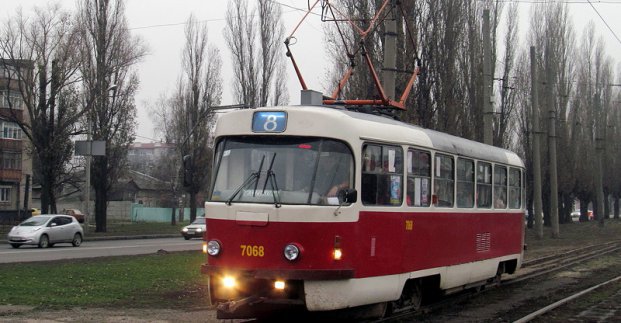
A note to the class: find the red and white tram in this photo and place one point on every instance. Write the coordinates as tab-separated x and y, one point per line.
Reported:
327	208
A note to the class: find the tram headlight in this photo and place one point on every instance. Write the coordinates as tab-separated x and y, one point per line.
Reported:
229	282
292	252
213	248
279	285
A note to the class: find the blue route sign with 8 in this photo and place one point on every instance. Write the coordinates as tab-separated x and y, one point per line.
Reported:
269	121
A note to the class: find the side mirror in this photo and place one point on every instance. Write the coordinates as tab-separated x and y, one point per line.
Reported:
347	196
187	170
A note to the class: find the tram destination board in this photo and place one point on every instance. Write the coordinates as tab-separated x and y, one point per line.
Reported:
269	121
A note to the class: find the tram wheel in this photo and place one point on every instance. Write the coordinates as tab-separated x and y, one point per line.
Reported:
411	298
416	296
498	278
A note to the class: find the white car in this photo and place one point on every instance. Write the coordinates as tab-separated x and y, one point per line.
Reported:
195	230
46	230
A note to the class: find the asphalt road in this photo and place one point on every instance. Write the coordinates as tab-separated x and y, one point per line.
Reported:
92	249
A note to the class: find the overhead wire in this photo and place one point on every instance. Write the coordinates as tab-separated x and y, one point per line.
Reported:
293	9
604	21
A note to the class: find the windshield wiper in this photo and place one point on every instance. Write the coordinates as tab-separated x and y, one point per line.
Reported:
271	176
253	176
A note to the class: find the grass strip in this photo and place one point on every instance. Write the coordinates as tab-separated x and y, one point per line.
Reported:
162	281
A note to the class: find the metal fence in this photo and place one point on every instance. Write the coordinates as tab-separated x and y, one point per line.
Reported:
140	213
12	217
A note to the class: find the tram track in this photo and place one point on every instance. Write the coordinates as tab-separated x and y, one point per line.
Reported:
545	265
564	301
530	271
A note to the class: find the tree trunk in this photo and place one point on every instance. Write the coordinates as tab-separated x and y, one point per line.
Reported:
584	210
101	209
192	206
606	205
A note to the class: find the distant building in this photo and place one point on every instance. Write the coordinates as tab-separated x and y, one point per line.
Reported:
143	157
142	189
15	162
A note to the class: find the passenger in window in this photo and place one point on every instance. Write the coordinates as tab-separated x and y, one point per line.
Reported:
336	188
338	174
500	202
465	198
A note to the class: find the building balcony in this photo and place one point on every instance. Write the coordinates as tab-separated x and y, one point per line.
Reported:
11	144
10	175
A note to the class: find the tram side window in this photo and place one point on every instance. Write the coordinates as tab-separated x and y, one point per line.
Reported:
465	183
419	178
444	180
500	187
382	175
484	185
515	186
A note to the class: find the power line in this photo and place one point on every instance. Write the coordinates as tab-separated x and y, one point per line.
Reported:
143	137
605	23
220	19
173	24
292	7
547	1
215	19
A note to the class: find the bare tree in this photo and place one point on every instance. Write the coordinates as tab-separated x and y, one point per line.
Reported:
506	117
552	35
258	64
189	112
108	52
40	52
583	122
448	92
614	171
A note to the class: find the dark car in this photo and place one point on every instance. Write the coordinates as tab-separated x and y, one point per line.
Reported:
77	214
195	229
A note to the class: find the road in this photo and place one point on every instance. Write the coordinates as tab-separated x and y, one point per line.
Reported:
92	249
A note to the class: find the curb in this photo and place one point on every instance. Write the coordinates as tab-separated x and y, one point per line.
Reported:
132	237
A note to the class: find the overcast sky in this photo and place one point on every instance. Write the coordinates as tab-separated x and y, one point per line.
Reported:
160	23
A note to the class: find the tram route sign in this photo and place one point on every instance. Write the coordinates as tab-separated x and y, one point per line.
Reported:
269	121
90	147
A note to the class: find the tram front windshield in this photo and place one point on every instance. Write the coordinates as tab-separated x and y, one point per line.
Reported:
281	170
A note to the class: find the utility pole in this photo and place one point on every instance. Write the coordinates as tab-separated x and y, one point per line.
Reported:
390	55
536	145
599	155
488	113
87	173
552	144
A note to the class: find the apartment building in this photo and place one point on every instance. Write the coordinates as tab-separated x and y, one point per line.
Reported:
15	161
143	157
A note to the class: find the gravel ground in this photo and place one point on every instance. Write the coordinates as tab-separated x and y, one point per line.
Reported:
509	303
16	314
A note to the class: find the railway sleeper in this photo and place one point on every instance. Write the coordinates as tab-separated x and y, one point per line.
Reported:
258	307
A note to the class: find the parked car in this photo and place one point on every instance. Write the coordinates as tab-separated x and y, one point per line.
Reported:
75	213
195	229
575	215
46	230
35	211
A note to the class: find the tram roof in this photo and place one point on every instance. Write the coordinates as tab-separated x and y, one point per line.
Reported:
366	126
